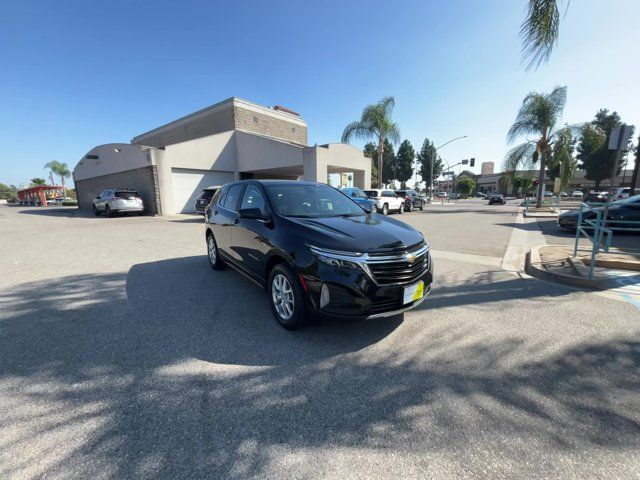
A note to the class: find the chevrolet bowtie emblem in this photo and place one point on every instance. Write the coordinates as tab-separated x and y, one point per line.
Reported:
409	257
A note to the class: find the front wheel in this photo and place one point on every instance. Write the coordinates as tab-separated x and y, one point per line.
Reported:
385	209
286	298
107	211
422	206
95	211
410	209
401	209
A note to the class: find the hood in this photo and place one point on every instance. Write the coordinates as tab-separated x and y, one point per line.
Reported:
364	233
590	213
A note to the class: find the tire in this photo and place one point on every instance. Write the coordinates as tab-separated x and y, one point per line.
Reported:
385	209
401	209
107	211
286	298
95	211
410	209
374	209
213	255
422	206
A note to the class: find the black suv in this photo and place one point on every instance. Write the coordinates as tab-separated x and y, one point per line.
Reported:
205	197
411	199
314	249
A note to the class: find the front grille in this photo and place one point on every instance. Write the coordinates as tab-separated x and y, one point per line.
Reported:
399	266
386	306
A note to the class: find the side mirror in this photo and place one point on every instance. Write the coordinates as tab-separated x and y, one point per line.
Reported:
367	208
252	214
97	197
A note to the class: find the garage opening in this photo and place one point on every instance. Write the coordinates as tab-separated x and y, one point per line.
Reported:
188	183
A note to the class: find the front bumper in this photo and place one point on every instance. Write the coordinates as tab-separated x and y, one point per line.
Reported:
353	294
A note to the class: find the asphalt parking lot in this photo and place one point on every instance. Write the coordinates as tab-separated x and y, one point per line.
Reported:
123	355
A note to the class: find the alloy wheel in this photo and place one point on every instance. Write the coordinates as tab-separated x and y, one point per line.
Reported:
282	296
211	246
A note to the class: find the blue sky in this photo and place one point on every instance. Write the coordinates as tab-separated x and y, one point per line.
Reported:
76	74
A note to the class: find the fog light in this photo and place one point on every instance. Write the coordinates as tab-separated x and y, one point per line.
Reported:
324	296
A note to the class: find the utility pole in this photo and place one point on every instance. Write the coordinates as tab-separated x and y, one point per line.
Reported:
435	153
634	177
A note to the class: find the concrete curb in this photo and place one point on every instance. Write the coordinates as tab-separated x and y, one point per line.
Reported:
533	266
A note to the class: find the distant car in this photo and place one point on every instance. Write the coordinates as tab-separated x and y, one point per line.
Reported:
442	195
577	194
621	193
59	200
620	210
496	198
361	198
205	198
564	194
479	195
118	200
386	200
596	197
548	193
411	199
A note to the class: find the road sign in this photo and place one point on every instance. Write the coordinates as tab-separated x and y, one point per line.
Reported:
447	174
619	138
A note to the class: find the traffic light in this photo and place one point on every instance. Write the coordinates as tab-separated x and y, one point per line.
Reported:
472	162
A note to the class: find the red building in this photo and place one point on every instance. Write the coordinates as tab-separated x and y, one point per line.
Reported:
38	194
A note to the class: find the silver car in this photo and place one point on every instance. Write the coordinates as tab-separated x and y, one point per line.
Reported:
118	200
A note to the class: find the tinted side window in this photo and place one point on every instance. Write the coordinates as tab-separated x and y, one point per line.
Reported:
388	193
231	199
253	198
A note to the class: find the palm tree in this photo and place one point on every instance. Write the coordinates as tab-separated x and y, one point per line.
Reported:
375	123
540	30
540	116
62	170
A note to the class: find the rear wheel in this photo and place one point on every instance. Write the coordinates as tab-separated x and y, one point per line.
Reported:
422	206
385	209
213	254
286	298
410	209
401	209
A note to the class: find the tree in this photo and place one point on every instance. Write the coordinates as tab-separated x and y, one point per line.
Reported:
540	30
38	181
370	150
539	115
388	164
523	184
60	169
375	122
466	185
404	162
562	164
428	154
593	150
7	192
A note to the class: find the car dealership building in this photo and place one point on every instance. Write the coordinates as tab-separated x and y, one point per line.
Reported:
233	139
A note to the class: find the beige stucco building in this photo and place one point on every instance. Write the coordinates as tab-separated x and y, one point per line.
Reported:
233	139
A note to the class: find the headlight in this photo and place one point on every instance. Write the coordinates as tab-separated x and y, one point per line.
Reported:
336	258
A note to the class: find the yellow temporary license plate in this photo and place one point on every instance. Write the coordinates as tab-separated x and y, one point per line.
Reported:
413	293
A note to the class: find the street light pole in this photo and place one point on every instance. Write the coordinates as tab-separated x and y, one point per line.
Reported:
433	161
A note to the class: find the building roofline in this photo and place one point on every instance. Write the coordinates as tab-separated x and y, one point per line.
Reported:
229	102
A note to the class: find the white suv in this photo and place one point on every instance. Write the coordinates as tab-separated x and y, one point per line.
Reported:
386	200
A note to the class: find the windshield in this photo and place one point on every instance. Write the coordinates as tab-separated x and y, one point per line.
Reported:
208	194
311	201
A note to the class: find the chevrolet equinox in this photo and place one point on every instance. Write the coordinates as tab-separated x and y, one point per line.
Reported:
315	250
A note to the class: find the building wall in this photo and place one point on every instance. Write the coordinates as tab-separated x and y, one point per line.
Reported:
260	153
266	123
200	124
143	179
112	157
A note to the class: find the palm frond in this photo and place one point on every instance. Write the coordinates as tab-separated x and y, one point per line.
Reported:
357	130
539	31
520	157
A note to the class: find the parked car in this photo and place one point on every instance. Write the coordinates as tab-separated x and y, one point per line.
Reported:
620	210
577	194
411	199
361	198
386	200
596	197
442	195
621	193
205	197
60	200
496	198
118	200
479	195
315	250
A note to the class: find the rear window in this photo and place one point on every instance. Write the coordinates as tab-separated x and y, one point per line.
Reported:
127	195
208	194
